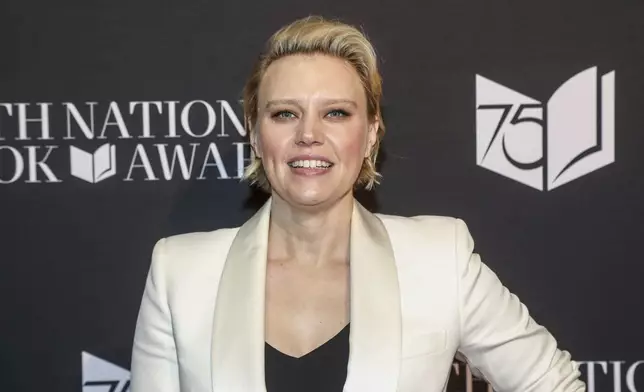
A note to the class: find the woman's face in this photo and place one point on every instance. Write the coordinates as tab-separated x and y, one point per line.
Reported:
313	129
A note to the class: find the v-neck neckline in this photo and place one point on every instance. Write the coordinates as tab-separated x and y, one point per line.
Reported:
341	334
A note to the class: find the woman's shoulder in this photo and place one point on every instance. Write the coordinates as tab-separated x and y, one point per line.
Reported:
180	254
427	231
198	240
423	224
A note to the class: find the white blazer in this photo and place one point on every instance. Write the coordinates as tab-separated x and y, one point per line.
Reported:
418	295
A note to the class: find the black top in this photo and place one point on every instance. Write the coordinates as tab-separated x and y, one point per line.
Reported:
322	370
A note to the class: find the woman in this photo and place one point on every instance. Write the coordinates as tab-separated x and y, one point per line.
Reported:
314	293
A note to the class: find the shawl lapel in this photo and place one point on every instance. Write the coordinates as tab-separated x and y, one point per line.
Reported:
376	333
238	341
238	327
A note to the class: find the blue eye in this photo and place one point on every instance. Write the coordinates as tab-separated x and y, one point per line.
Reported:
283	114
337	113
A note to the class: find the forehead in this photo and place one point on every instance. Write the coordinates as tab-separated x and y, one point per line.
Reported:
307	77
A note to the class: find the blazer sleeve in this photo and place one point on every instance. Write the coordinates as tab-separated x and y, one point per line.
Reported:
499	337
154	357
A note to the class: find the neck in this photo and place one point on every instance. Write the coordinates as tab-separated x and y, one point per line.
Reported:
310	236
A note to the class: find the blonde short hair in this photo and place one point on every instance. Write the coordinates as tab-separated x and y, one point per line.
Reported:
316	35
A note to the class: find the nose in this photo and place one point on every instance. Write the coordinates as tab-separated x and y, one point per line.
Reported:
309	132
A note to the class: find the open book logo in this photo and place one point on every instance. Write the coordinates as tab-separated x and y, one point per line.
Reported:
546	146
93	167
102	376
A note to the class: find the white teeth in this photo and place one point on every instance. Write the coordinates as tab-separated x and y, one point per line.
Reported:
311	163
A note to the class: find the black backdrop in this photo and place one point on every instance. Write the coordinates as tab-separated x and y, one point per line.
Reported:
75	252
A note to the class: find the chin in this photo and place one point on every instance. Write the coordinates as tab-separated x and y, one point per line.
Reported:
311	194
311	198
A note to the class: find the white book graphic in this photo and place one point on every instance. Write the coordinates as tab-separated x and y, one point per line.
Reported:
93	167
100	375
547	145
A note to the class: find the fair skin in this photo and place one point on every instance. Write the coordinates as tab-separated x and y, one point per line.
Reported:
313	135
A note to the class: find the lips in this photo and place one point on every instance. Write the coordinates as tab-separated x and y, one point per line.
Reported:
310	162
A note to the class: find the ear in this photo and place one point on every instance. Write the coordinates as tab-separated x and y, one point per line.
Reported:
372	136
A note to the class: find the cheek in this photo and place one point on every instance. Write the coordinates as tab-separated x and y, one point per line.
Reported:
272	144
353	149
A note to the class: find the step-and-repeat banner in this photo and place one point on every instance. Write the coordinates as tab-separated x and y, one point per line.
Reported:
121	124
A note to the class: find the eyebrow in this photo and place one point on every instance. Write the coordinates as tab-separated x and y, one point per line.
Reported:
297	103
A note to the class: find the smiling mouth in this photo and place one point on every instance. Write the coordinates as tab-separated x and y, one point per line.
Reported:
310	164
